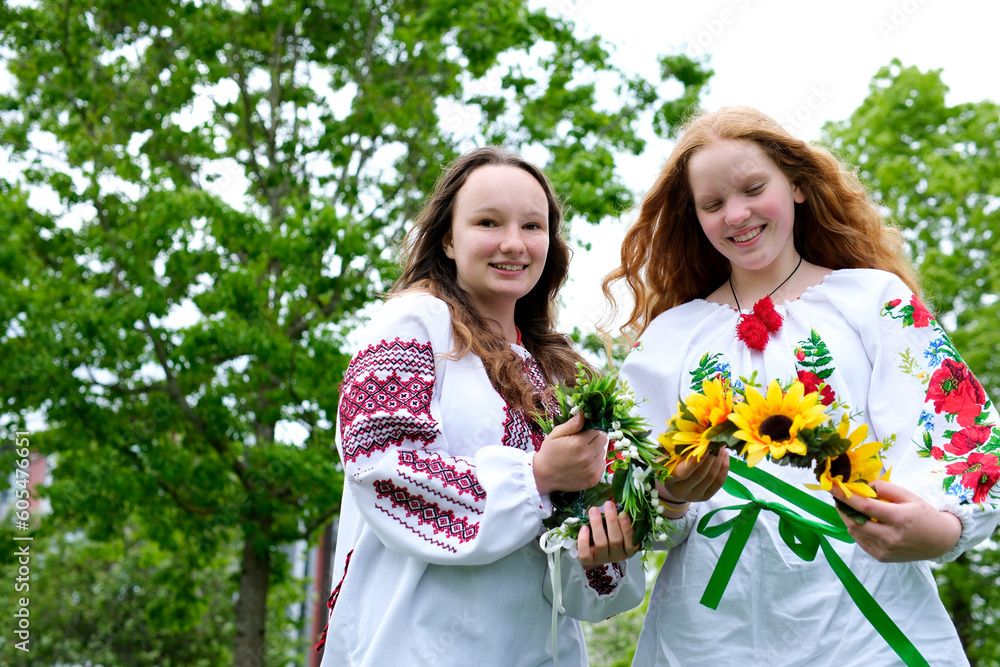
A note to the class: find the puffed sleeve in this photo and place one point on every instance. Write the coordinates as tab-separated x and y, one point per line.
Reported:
415	493
597	593
946	444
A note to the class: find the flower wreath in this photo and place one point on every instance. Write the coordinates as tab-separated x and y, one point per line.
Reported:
786	424
633	460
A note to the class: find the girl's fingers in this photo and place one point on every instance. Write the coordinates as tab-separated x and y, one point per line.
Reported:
584	547
599	537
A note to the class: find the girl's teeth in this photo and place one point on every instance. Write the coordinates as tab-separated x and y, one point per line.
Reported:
748	236
509	267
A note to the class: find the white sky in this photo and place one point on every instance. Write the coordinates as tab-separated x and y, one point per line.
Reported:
804	63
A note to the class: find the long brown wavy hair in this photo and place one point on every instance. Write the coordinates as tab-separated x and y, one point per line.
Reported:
667	260
426	268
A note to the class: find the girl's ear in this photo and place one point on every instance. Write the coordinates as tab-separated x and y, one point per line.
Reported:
449	247
798	196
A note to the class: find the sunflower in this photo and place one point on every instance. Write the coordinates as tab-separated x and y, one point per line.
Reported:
673	454
771	424
692	429
854	470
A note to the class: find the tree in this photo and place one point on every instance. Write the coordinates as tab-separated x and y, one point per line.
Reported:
936	170
969	591
202	199
127	601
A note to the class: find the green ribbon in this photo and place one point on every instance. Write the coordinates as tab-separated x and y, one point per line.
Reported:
805	537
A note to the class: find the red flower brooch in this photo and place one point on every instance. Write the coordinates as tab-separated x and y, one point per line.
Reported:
755	328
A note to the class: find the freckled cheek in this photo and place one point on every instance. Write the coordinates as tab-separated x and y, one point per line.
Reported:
540	250
710	226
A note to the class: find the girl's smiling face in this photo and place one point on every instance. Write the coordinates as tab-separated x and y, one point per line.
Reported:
745	205
499	236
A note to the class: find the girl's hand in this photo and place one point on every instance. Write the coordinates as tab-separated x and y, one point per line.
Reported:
570	459
695	481
905	527
611	546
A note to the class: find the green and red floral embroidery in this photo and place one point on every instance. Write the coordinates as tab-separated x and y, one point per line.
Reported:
814	365
972	447
979	473
710	366
913	314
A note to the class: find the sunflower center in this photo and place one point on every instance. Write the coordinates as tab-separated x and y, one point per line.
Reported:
777	427
841	467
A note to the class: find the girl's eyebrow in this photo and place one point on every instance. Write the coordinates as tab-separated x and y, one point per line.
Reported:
488	209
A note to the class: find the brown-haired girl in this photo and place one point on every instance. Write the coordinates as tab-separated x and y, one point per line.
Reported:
447	477
757	255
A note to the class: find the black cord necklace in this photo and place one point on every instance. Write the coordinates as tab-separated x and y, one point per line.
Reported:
772	291
755	328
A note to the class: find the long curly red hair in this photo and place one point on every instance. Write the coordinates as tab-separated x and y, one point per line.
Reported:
667	260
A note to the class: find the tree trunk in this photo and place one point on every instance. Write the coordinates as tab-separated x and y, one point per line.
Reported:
251	608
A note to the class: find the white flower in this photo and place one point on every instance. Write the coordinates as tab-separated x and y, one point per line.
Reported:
616	425
615	435
639	479
634	412
633	451
575	410
569	521
571	399
659	508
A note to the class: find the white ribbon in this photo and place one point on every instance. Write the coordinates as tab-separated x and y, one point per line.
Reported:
551	543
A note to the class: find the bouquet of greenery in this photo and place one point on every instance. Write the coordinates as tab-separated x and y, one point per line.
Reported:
634	460
786	425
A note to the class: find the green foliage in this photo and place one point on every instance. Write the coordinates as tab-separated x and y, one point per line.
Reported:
608	405
123	601
969	591
602	349
203	198
612	643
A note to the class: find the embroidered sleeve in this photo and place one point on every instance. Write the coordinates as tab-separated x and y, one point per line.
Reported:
947	440
596	593
604	578
418	496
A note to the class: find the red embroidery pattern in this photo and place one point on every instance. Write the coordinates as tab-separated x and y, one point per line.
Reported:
427	513
333	600
518	431
415	483
534	374
600	580
955	390
434	467
386	398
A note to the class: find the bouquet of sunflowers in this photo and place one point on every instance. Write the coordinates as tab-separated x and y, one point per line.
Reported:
785	424
634	460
